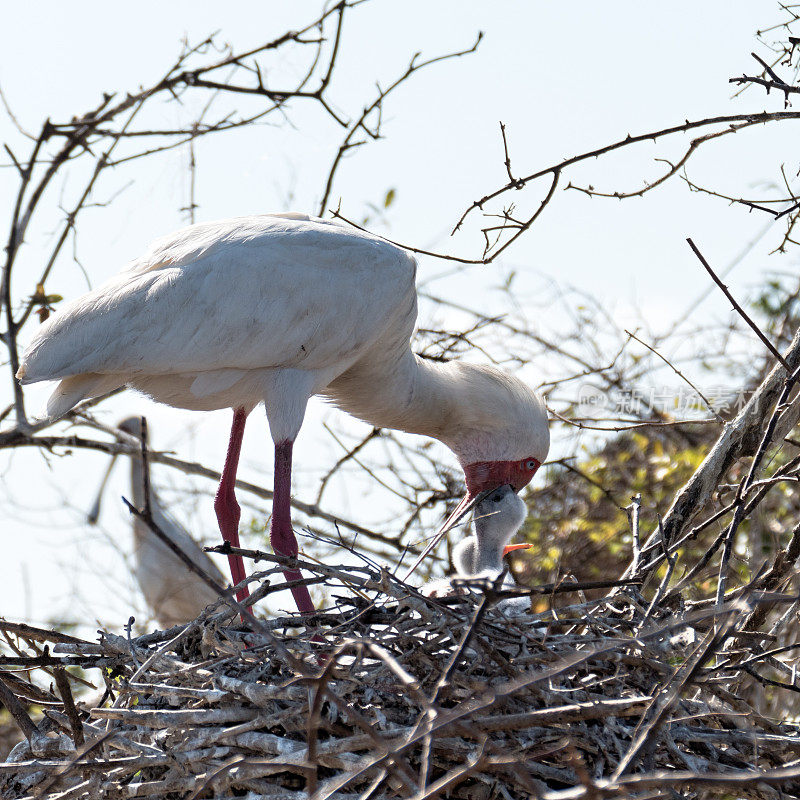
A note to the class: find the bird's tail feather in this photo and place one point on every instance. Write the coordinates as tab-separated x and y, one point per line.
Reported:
72	390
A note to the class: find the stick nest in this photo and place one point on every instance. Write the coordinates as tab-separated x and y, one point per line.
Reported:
394	695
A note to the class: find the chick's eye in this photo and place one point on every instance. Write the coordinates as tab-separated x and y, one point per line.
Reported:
496	498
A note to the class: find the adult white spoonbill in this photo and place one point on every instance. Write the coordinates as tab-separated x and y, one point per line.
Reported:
498	515
171	590
275	308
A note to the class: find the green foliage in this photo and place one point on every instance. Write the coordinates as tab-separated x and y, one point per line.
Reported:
375	212
774	300
578	523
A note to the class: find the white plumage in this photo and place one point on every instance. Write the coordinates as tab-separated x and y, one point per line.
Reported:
225	314
276	308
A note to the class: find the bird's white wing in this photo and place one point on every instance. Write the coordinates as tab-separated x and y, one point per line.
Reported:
174	593
247	293
178	534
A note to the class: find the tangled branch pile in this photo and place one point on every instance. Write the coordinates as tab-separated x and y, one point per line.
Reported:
397	695
648	686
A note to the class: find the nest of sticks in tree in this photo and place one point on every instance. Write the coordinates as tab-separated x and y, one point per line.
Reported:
390	694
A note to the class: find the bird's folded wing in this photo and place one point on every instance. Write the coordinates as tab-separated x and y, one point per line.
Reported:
303	300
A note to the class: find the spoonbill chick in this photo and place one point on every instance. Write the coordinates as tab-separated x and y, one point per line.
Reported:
498	515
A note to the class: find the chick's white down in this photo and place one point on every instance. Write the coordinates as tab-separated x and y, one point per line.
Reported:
496	519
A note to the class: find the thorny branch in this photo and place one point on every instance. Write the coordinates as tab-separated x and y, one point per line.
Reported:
361	125
731	124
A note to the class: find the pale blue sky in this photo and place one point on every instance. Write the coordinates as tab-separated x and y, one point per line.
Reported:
564	78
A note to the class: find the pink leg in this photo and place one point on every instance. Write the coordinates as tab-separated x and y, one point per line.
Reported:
228	511
281	535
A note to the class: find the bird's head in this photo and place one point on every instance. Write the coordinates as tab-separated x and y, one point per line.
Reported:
502	437
499	514
498	428
131	425
482	476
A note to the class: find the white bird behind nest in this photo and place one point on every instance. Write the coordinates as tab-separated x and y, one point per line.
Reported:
173	592
496	518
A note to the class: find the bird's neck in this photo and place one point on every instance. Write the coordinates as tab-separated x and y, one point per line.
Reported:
141	533
489	550
409	393
145	542
141	530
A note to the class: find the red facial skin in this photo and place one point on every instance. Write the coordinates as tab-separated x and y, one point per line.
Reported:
482	475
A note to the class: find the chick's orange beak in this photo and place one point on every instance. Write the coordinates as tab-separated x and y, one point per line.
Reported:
510	548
